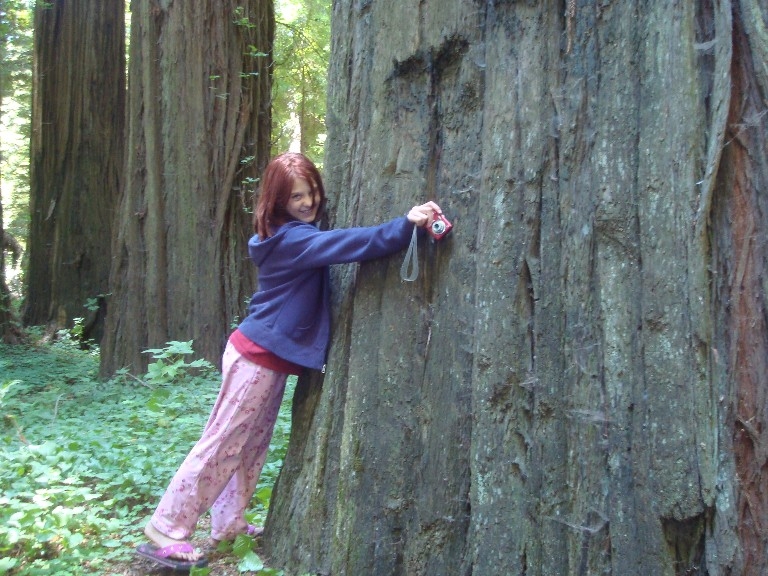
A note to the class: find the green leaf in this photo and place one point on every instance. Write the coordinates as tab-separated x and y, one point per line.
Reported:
250	563
75	540
45	536
7	563
111	543
242	546
175	347
264	494
45	449
13	535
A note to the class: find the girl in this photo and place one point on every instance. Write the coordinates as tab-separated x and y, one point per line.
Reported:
286	330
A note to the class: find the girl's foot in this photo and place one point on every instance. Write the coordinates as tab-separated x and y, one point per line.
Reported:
252	531
162	541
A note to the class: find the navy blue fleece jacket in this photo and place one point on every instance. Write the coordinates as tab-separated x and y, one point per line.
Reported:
289	314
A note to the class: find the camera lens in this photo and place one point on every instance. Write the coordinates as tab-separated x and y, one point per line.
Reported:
438	227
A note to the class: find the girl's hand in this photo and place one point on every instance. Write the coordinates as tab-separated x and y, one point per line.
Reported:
424	214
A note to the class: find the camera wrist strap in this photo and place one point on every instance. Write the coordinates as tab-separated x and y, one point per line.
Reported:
411	260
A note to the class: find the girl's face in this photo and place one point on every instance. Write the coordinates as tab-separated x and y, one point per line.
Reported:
303	203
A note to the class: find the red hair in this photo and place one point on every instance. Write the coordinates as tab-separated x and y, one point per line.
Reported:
276	185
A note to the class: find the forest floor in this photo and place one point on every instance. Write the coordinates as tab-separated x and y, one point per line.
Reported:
85	461
219	563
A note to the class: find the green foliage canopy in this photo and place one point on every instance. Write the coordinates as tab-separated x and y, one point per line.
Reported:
302	49
15	114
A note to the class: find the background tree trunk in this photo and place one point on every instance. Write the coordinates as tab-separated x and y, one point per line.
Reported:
77	151
198	134
576	384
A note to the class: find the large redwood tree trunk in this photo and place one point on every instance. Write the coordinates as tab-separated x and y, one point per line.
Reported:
78	111
577	382
198	135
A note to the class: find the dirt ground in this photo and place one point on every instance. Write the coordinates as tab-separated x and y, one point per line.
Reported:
220	563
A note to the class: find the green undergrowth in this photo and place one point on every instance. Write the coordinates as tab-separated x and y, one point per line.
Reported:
83	462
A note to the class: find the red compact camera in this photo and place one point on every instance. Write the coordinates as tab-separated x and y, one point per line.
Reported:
439	227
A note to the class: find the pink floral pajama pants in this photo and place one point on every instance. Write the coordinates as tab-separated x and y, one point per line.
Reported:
223	468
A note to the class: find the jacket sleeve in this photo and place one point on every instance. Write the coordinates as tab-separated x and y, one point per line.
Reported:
304	246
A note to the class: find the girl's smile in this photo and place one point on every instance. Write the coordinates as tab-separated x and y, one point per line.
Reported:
304	202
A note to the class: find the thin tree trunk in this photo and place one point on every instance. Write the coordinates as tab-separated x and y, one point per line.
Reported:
9	324
77	141
198	134
576	383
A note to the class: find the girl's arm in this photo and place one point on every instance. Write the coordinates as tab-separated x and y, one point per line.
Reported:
304	246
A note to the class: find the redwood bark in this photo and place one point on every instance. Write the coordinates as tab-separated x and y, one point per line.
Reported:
740	250
576	383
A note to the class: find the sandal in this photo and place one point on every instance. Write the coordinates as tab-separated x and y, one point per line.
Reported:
164	555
